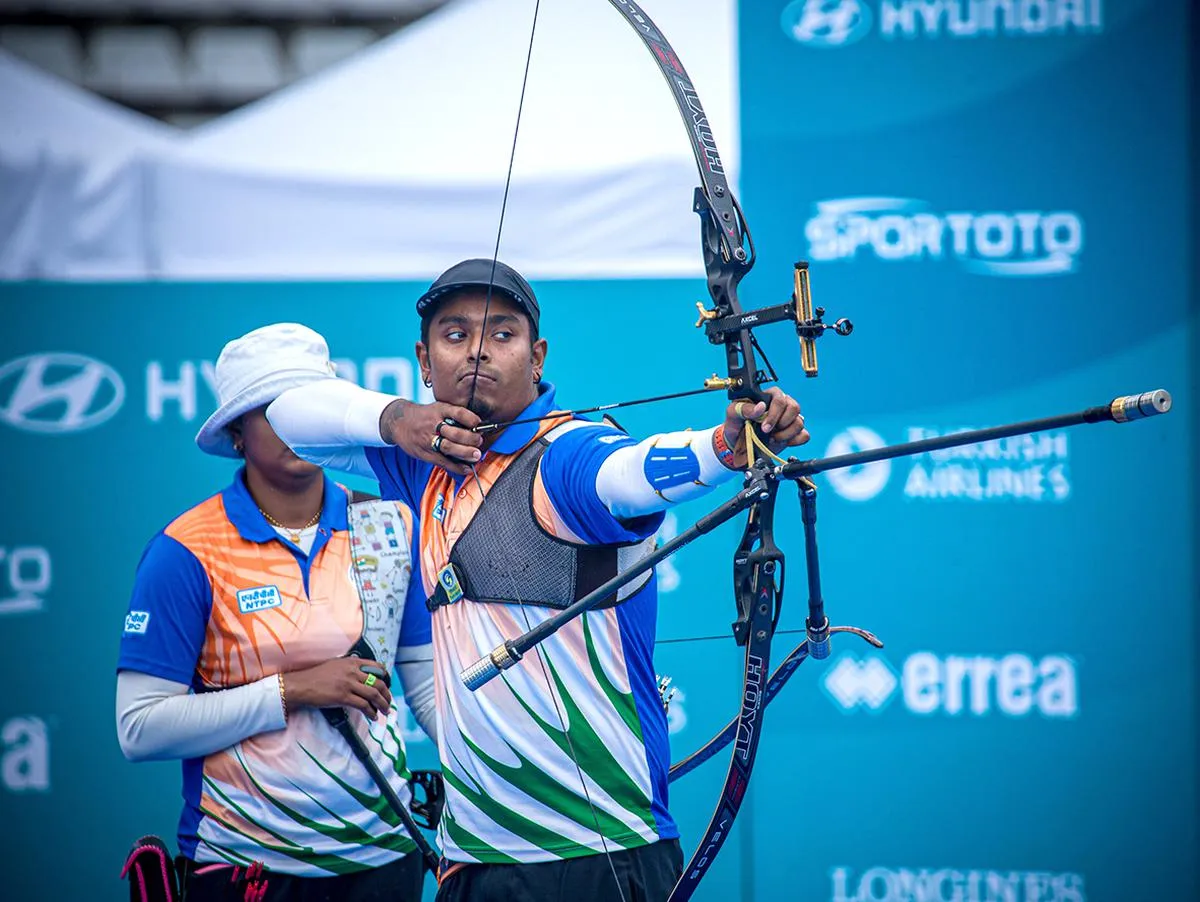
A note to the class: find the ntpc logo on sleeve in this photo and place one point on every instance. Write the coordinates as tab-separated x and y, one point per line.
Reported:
258	598
136	623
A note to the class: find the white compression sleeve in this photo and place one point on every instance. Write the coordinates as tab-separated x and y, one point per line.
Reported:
329	422
660	471
414	663
160	719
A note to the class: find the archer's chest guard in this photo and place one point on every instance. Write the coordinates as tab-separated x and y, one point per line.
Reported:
504	556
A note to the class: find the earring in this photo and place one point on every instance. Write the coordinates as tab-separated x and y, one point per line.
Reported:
428	382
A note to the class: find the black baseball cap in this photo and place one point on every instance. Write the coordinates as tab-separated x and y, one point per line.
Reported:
479	273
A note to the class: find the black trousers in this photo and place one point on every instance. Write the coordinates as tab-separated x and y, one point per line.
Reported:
645	874
400	881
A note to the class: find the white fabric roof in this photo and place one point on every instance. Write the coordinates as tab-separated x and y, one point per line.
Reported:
71	181
437	102
391	164
44	115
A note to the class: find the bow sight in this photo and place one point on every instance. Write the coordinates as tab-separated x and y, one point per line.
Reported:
810	324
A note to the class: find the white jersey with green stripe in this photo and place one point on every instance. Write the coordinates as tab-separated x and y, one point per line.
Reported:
569	763
565	754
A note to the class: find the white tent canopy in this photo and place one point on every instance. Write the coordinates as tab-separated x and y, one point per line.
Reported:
437	103
72	179
44	116
393	164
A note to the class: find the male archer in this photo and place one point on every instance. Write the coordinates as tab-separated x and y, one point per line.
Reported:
556	775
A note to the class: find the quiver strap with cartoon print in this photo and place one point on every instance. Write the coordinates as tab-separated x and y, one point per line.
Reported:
380	550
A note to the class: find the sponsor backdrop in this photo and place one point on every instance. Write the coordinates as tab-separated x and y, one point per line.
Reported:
996	192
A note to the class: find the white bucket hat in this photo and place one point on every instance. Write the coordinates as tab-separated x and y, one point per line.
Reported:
255	370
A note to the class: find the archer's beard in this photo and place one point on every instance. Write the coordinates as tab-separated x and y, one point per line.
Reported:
481	409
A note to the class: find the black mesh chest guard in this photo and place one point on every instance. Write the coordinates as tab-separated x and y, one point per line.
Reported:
505	557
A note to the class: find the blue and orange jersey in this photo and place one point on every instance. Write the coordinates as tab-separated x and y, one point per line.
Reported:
514	782
221	600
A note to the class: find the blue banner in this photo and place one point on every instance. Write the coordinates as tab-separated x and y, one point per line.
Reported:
996	193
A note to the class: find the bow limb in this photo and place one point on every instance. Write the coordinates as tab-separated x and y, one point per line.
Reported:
724	235
723	211
758	586
778	680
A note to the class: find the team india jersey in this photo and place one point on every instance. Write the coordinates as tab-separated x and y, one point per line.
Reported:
220	600
570	744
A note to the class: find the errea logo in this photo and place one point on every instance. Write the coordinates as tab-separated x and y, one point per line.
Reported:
24	755
258	598
851	682
1016	685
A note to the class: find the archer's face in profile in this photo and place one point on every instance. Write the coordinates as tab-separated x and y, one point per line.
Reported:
504	370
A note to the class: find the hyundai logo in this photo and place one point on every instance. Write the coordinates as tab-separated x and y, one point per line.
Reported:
826	23
58	393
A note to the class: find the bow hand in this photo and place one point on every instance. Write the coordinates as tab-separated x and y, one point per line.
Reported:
778	420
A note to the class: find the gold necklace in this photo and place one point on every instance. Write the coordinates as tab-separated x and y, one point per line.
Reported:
293	534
